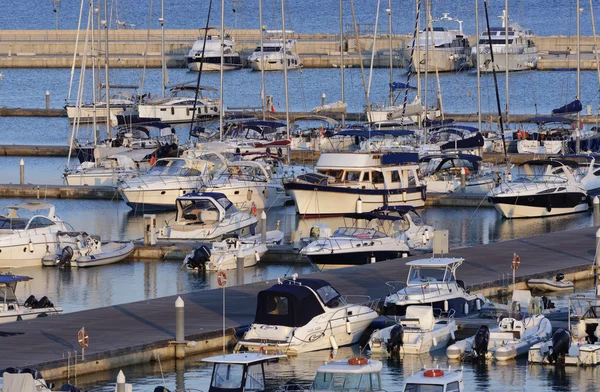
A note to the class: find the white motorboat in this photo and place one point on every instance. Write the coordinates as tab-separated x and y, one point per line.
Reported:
111	170
29	380
363	245
357	374
208	54
206	216
12	310
302	315
512	338
579	345
556	284
551	136
28	233
224	255
248	184
541	188
170	178
587	173
179	105
88	251
352	182
272	51
417	333
432	282
522	52
444	173
439	49
438	380
119	101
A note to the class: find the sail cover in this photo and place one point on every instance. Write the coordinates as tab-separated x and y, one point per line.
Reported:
573	107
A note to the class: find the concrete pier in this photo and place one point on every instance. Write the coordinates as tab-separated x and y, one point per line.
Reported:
32	191
140	332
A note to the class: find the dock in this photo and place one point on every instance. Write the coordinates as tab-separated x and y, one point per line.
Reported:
140	332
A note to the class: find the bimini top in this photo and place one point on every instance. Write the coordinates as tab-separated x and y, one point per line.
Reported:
468	157
8	279
193	195
343	366
437	262
380	213
373	133
31	206
293	303
551	162
243	358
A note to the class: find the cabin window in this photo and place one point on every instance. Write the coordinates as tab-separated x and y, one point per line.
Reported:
366	176
40	222
412	181
419	275
327	293
352	176
395	176
227	376
375	384
597	173
278	306
423	388
255	380
453	387
377	177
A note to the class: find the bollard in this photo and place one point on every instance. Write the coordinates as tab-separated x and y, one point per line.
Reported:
22	172
179	329
239	260
463	178
263	227
121	382
323	99
596	205
47	100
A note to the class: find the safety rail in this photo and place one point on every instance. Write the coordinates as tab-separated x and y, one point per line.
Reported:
428	288
536	182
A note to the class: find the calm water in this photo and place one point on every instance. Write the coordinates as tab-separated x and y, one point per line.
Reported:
551	17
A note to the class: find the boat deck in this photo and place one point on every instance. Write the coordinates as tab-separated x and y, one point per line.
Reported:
135	329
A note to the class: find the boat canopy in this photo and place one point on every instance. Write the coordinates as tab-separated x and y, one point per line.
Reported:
244	358
378	213
374	133
401	86
11	279
571	107
398	159
453	262
472	159
293	303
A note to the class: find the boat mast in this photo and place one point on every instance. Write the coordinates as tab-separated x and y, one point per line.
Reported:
418	62
489	39
505	22
106	79
341	60
389	12
427	32
221	70
94	53
285	72
578	131
75	51
163	65
478	65
262	62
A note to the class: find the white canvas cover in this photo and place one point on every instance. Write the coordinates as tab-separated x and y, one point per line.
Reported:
424	314
21	382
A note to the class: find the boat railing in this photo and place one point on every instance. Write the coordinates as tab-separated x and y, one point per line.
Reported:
536	182
394	286
447	315
362	300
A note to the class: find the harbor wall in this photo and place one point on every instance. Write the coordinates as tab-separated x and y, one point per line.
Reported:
55	48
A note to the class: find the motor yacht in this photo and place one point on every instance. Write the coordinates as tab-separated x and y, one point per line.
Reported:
420	331
432	282
522	52
302	315
352	182
272	51
28	233
179	105
439	49
169	178
579	344
206	216
541	188
443	174
208	54
12	310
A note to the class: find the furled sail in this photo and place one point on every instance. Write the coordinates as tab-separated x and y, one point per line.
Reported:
572	107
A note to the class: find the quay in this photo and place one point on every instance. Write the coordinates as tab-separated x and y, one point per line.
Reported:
55	48
141	332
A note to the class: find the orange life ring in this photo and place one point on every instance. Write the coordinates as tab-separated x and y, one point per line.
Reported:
358	361
253	210
222	279
467	171
516	262
153	161
83	338
433	373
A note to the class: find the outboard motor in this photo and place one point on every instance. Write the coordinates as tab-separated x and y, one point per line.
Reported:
44	302
66	256
480	342
198	259
561	342
396	339
560	276
30	302
548	304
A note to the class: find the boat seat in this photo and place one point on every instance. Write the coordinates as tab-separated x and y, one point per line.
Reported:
209	216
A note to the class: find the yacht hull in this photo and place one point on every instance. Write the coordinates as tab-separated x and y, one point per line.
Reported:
23	254
353	257
231	63
177	113
516	62
459	305
154	200
439	60
533	206
271	65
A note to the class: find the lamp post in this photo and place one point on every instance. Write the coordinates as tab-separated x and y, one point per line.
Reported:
56	6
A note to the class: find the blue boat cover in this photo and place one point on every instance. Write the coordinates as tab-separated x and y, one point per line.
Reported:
396	159
373	133
7	279
401	86
466	143
572	107
433	123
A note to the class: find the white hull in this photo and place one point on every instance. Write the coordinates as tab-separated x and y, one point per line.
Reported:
225	261
516	211
156	198
177	113
549	147
20	253
27	314
263	196
414	342
272	65
516	62
311	202
579	354
111	253
441	60
211	67
86	113
550	285
98	178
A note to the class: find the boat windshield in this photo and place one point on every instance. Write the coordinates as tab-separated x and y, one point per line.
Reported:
421	274
362	382
267	49
175	168
200	210
416	218
247	173
539	173
327	293
227	205
426	388
359	233
7	294
227	376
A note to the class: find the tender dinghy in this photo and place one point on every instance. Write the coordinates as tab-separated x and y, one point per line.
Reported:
556	284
